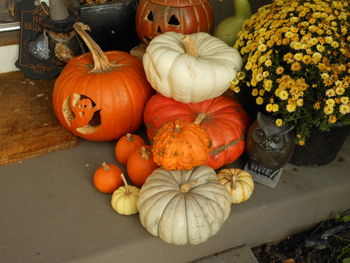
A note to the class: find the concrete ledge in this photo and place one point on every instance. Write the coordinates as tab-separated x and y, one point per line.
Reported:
50	211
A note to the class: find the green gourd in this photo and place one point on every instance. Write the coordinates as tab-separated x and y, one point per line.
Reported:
228	29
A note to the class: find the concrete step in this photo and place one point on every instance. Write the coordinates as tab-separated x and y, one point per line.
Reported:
241	254
51	212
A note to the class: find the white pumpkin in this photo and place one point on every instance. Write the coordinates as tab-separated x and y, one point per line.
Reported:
183	206
124	199
190	68
239	183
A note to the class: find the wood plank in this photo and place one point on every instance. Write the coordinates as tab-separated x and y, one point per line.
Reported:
28	125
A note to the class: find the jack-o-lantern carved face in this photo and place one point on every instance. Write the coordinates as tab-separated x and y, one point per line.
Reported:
81	113
154	17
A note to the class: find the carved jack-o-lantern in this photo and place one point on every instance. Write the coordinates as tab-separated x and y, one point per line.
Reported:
154	17
100	95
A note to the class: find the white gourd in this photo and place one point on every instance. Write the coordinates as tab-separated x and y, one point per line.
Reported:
183	207
239	183
192	70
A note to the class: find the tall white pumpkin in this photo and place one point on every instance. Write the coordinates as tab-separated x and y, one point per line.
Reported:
183	207
190	68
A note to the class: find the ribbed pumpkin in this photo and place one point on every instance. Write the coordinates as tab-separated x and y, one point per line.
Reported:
101	96
239	183
181	145
183	207
190	68
225	122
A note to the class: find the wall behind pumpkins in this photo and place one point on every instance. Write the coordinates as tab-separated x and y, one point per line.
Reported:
224	8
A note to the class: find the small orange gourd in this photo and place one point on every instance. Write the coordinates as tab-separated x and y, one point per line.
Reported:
126	145
107	178
181	145
140	165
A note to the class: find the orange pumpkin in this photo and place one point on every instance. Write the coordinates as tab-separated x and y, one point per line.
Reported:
126	145
181	145
226	123
101	96
140	165
107	178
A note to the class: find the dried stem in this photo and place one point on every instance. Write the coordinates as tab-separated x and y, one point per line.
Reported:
101	62
190	46
187	186
127	190
200	117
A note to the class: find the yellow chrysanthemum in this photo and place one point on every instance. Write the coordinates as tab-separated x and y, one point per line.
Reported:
295	66
344	100
279	70
268	107
332	119
240	75
275	107
279	122
259	100
328	110
330	93
330	102
301	142
255	92
283	95
344	109
268	63
267	84
298	56
291	107
339	90
317	105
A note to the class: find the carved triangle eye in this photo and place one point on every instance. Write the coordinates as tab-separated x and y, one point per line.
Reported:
174	21
150	16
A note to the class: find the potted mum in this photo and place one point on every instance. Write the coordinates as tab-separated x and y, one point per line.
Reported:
297	65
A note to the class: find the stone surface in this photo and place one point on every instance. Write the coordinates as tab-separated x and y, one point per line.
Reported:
51	212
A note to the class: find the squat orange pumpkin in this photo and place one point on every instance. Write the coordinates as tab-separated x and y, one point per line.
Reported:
126	145
107	178
101	96
181	145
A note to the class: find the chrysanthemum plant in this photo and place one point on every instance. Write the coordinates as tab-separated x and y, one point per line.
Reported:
297	63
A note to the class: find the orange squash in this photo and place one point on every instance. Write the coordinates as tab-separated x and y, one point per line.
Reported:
226	123
181	145
140	165
126	145
107	178
101	96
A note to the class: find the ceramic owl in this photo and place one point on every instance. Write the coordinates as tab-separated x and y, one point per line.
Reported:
268	146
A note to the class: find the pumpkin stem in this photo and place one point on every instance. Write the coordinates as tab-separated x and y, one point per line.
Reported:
129	137
145	153
127	190
187	186
190	46
200	117
101	62
105	166
177	127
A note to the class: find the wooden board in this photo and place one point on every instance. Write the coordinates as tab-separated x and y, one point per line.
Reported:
28	125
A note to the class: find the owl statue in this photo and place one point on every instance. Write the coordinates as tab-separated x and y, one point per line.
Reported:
269	148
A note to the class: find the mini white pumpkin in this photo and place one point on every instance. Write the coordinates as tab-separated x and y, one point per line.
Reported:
239	183
124	199
183	206
190	68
